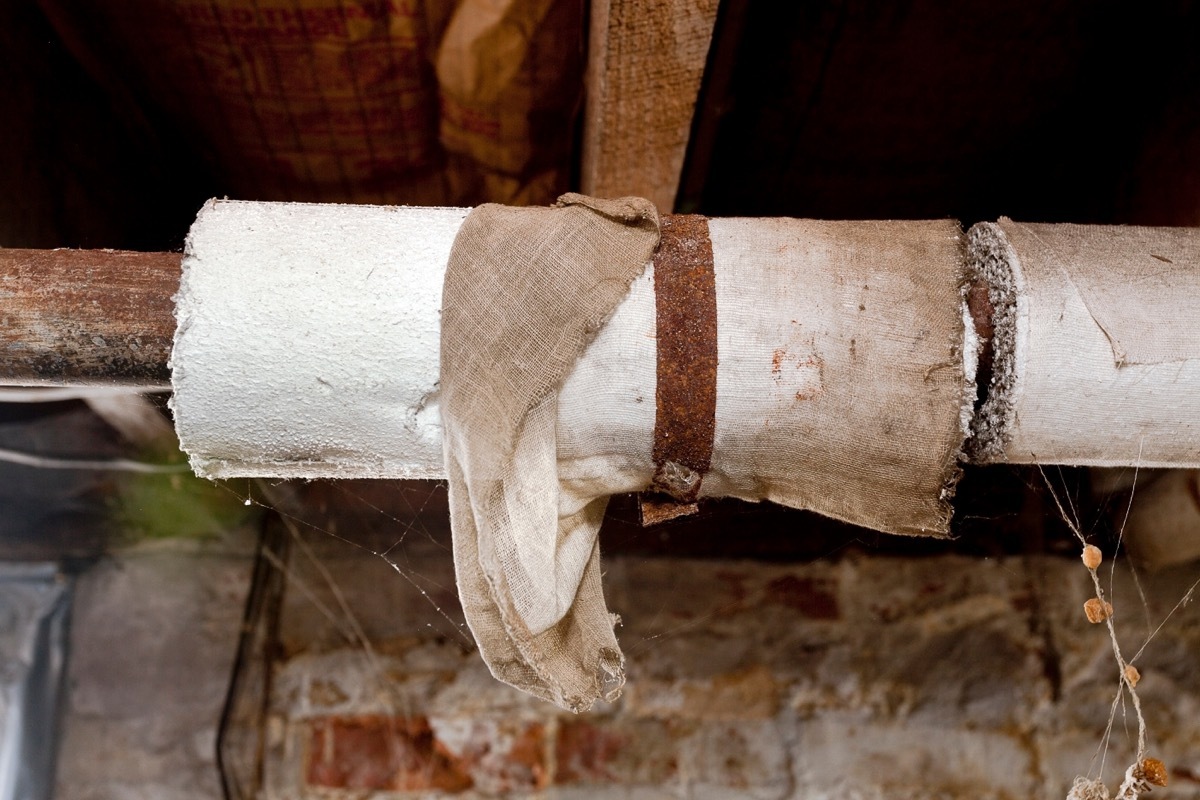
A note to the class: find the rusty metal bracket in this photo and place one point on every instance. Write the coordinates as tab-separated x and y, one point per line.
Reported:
686	395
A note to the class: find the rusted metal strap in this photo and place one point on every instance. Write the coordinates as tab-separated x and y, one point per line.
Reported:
686	397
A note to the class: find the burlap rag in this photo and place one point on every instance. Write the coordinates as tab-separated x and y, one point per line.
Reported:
841	384
526	289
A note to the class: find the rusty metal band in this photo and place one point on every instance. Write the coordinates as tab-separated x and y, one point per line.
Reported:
686	396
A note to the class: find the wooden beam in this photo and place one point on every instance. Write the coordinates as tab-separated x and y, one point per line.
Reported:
95	317
645	65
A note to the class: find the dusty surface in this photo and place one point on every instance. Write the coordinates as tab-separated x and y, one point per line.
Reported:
154	633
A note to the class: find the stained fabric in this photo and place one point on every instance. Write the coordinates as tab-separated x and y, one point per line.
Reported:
840	386
526	289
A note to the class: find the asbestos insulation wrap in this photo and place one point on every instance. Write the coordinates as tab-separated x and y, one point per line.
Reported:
307	346
1097	344
307	340
310	344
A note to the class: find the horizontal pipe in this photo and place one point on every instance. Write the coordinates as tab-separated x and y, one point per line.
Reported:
106	317
87	317
309	342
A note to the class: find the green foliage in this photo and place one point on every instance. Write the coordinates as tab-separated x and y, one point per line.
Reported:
177	505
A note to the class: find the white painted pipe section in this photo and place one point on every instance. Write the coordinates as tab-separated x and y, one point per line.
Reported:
307	340
308	346
1099	335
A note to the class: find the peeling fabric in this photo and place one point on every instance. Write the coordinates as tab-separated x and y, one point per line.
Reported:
526	289
842	385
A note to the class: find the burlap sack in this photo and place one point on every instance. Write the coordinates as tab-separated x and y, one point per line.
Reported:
525	291
314	100
509	77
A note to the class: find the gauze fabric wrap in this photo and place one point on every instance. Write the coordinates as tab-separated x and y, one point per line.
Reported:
842	379
841	384
526	289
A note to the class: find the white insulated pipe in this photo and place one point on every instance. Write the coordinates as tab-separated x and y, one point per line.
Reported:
307	340
1098	334
308	346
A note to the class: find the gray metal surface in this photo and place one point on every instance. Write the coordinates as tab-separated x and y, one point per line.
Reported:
35	602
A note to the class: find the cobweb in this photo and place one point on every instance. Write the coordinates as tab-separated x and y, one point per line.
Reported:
1144	772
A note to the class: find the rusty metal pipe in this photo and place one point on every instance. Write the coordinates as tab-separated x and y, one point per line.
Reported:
87	317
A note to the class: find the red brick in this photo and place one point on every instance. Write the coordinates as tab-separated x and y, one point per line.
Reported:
750	693
500	755
614	751
812	597
380	752
585	751
529	751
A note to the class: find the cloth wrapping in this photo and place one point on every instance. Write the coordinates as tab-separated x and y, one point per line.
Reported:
525	291
842	378
841	385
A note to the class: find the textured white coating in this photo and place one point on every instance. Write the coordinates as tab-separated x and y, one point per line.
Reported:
1074	402
307	340
308	346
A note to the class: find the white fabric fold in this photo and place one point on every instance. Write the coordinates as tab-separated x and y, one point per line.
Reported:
526	291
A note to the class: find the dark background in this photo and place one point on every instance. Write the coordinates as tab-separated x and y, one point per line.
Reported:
1050	111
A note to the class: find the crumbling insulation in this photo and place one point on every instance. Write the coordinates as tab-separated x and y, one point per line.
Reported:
1096	344
990	260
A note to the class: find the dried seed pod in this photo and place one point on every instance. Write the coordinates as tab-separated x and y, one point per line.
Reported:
1152	771
1132	676
1092	556
1097	610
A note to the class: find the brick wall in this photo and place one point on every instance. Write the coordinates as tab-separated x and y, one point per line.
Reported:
869	676
866	677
